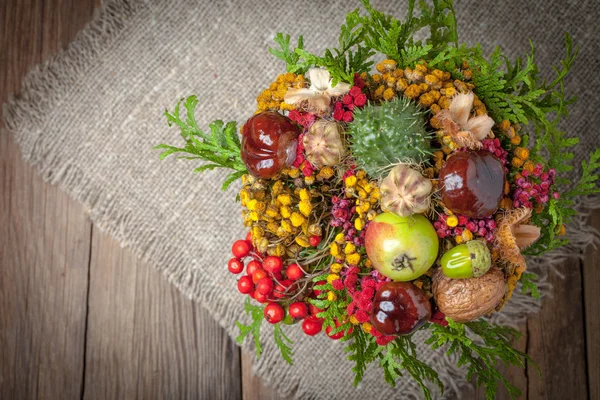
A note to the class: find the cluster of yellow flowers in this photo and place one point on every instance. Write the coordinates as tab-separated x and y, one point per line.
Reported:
271	99
281	217
431	88
318	176
365	195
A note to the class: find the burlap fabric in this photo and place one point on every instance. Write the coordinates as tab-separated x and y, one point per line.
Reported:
88	120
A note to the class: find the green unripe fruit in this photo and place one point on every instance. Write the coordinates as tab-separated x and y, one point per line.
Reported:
385	134
472	259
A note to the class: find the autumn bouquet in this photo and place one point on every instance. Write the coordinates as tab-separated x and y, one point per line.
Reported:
383	201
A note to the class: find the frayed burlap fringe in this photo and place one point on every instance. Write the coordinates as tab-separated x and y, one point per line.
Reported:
163	235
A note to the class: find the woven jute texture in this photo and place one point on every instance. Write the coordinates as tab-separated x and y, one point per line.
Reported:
88	119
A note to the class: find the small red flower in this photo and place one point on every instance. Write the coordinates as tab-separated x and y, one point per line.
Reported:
361	316
360	100
337	284
355	91
338	113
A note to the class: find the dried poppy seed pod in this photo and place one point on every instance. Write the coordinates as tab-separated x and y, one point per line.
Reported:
323	143
405	191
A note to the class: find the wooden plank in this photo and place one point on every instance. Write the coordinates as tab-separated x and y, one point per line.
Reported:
556	340
591	293
44	242
146	340
44	235
253	386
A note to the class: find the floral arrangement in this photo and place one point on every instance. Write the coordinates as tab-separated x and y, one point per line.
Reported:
380	202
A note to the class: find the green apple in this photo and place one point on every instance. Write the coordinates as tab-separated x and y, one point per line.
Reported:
401	248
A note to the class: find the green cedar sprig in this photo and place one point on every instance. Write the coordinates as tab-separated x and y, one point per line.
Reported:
257	315
481	359
342	62
333	311
394	38
363	350
220	148
529	285
397	358
401	355
282	341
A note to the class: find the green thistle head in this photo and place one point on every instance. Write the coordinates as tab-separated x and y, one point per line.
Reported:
385	134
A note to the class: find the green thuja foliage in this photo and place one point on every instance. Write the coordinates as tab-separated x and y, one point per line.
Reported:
388	133
219	149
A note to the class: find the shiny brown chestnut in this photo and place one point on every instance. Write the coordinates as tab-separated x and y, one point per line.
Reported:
472	183
269	142
400	308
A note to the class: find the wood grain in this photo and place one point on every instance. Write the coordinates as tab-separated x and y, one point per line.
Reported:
591	290
253	387
556	340
44	237
145	340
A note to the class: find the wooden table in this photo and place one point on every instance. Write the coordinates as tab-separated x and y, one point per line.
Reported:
81	317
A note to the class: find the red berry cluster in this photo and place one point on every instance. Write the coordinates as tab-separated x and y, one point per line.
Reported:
534	186
495	147
344	110
267	281
305	119
363	290
484	227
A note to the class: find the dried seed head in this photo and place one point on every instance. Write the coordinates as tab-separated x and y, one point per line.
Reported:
405	191
323	143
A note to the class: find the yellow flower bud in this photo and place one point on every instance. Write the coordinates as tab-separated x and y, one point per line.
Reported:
286	225
305	207
272	211
325	173
517	162
335	268
277	188
366	327
297	219
339	238
332	277
350	181
302	240
353	259
285	199
452	221
334	250
467	235
331	296
304	194
349	248
353	320
359	224
285	211
522	153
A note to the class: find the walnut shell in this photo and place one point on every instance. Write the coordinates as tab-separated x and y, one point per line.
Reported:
465	300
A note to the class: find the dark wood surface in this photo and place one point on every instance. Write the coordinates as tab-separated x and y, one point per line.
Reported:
80	317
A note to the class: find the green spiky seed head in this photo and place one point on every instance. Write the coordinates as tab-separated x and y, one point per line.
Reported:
385	134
